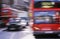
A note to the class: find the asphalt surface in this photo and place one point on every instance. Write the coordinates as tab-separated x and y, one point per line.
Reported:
25	34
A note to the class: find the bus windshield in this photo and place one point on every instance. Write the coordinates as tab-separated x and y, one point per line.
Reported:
46	17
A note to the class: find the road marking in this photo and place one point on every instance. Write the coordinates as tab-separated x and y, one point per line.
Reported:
30	36
27	33
12	36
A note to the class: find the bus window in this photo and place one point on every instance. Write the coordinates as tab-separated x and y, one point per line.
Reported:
45	17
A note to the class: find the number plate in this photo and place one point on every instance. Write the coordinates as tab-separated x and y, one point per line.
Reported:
48	32
12	29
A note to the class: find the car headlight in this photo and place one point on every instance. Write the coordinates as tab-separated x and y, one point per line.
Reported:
7	24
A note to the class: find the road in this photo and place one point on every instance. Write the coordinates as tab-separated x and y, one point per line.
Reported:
25	34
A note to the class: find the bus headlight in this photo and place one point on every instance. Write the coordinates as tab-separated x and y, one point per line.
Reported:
36	28
59	28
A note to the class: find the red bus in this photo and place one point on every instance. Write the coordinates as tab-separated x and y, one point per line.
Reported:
46	17
6	14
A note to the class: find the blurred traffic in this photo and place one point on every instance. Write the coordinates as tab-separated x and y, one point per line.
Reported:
27	19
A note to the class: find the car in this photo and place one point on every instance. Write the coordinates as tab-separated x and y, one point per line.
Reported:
14	27
24	21
16	24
